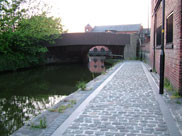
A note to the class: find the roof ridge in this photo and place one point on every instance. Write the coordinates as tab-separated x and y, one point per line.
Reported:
115	25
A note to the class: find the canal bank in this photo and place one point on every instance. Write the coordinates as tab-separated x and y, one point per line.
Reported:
55	119
128	104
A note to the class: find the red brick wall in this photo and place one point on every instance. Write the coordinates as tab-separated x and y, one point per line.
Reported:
145	47
173	56
89	28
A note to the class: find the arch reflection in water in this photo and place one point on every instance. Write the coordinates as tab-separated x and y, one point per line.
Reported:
96	64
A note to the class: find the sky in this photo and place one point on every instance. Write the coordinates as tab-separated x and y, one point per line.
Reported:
76	14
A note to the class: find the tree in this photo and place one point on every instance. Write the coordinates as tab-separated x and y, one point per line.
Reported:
10	15
22	36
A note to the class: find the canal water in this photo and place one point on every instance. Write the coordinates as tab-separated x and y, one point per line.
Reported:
25	94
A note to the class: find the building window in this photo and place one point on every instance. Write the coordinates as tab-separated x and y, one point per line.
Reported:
159	29
169	31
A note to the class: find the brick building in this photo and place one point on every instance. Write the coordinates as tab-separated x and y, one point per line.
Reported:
172	41
134	30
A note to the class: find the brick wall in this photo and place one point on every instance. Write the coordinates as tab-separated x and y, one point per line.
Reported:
173	56
88	28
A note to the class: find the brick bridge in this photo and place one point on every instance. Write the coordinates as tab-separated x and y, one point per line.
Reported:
73	47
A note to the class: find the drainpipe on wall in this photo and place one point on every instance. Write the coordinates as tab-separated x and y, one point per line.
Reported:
154	42
162	55
140	46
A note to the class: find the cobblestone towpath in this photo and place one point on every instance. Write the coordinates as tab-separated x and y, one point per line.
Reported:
127	105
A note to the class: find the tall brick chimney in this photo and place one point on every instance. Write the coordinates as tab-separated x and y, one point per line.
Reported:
88	28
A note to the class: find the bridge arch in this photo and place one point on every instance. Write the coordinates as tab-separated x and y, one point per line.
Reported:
74	47
99	50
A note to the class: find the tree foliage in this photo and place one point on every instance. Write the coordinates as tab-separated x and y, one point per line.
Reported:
22	35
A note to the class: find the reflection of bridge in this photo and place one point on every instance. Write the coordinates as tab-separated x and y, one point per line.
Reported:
105	53
75	46
96	64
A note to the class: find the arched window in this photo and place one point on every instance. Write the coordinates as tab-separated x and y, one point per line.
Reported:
102	50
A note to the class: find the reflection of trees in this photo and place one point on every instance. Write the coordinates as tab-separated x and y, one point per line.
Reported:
59	80
16	110
25	94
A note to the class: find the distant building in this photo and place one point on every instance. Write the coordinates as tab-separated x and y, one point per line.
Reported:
142	35
118	29
172	41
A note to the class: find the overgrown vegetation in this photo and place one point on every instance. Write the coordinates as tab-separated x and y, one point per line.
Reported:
134	58
22	34
81	85
42	124
62	108
178	102
93	75
169	87
175	95
103	72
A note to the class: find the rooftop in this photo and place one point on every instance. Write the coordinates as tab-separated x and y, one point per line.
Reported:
128	27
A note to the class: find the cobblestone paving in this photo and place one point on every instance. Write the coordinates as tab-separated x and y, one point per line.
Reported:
126	106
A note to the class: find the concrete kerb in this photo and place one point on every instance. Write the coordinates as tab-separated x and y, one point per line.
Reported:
82	106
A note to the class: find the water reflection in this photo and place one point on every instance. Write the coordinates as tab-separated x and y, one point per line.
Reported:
96	64
24	95
16	110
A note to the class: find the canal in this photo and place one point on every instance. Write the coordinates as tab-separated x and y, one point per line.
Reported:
25	94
